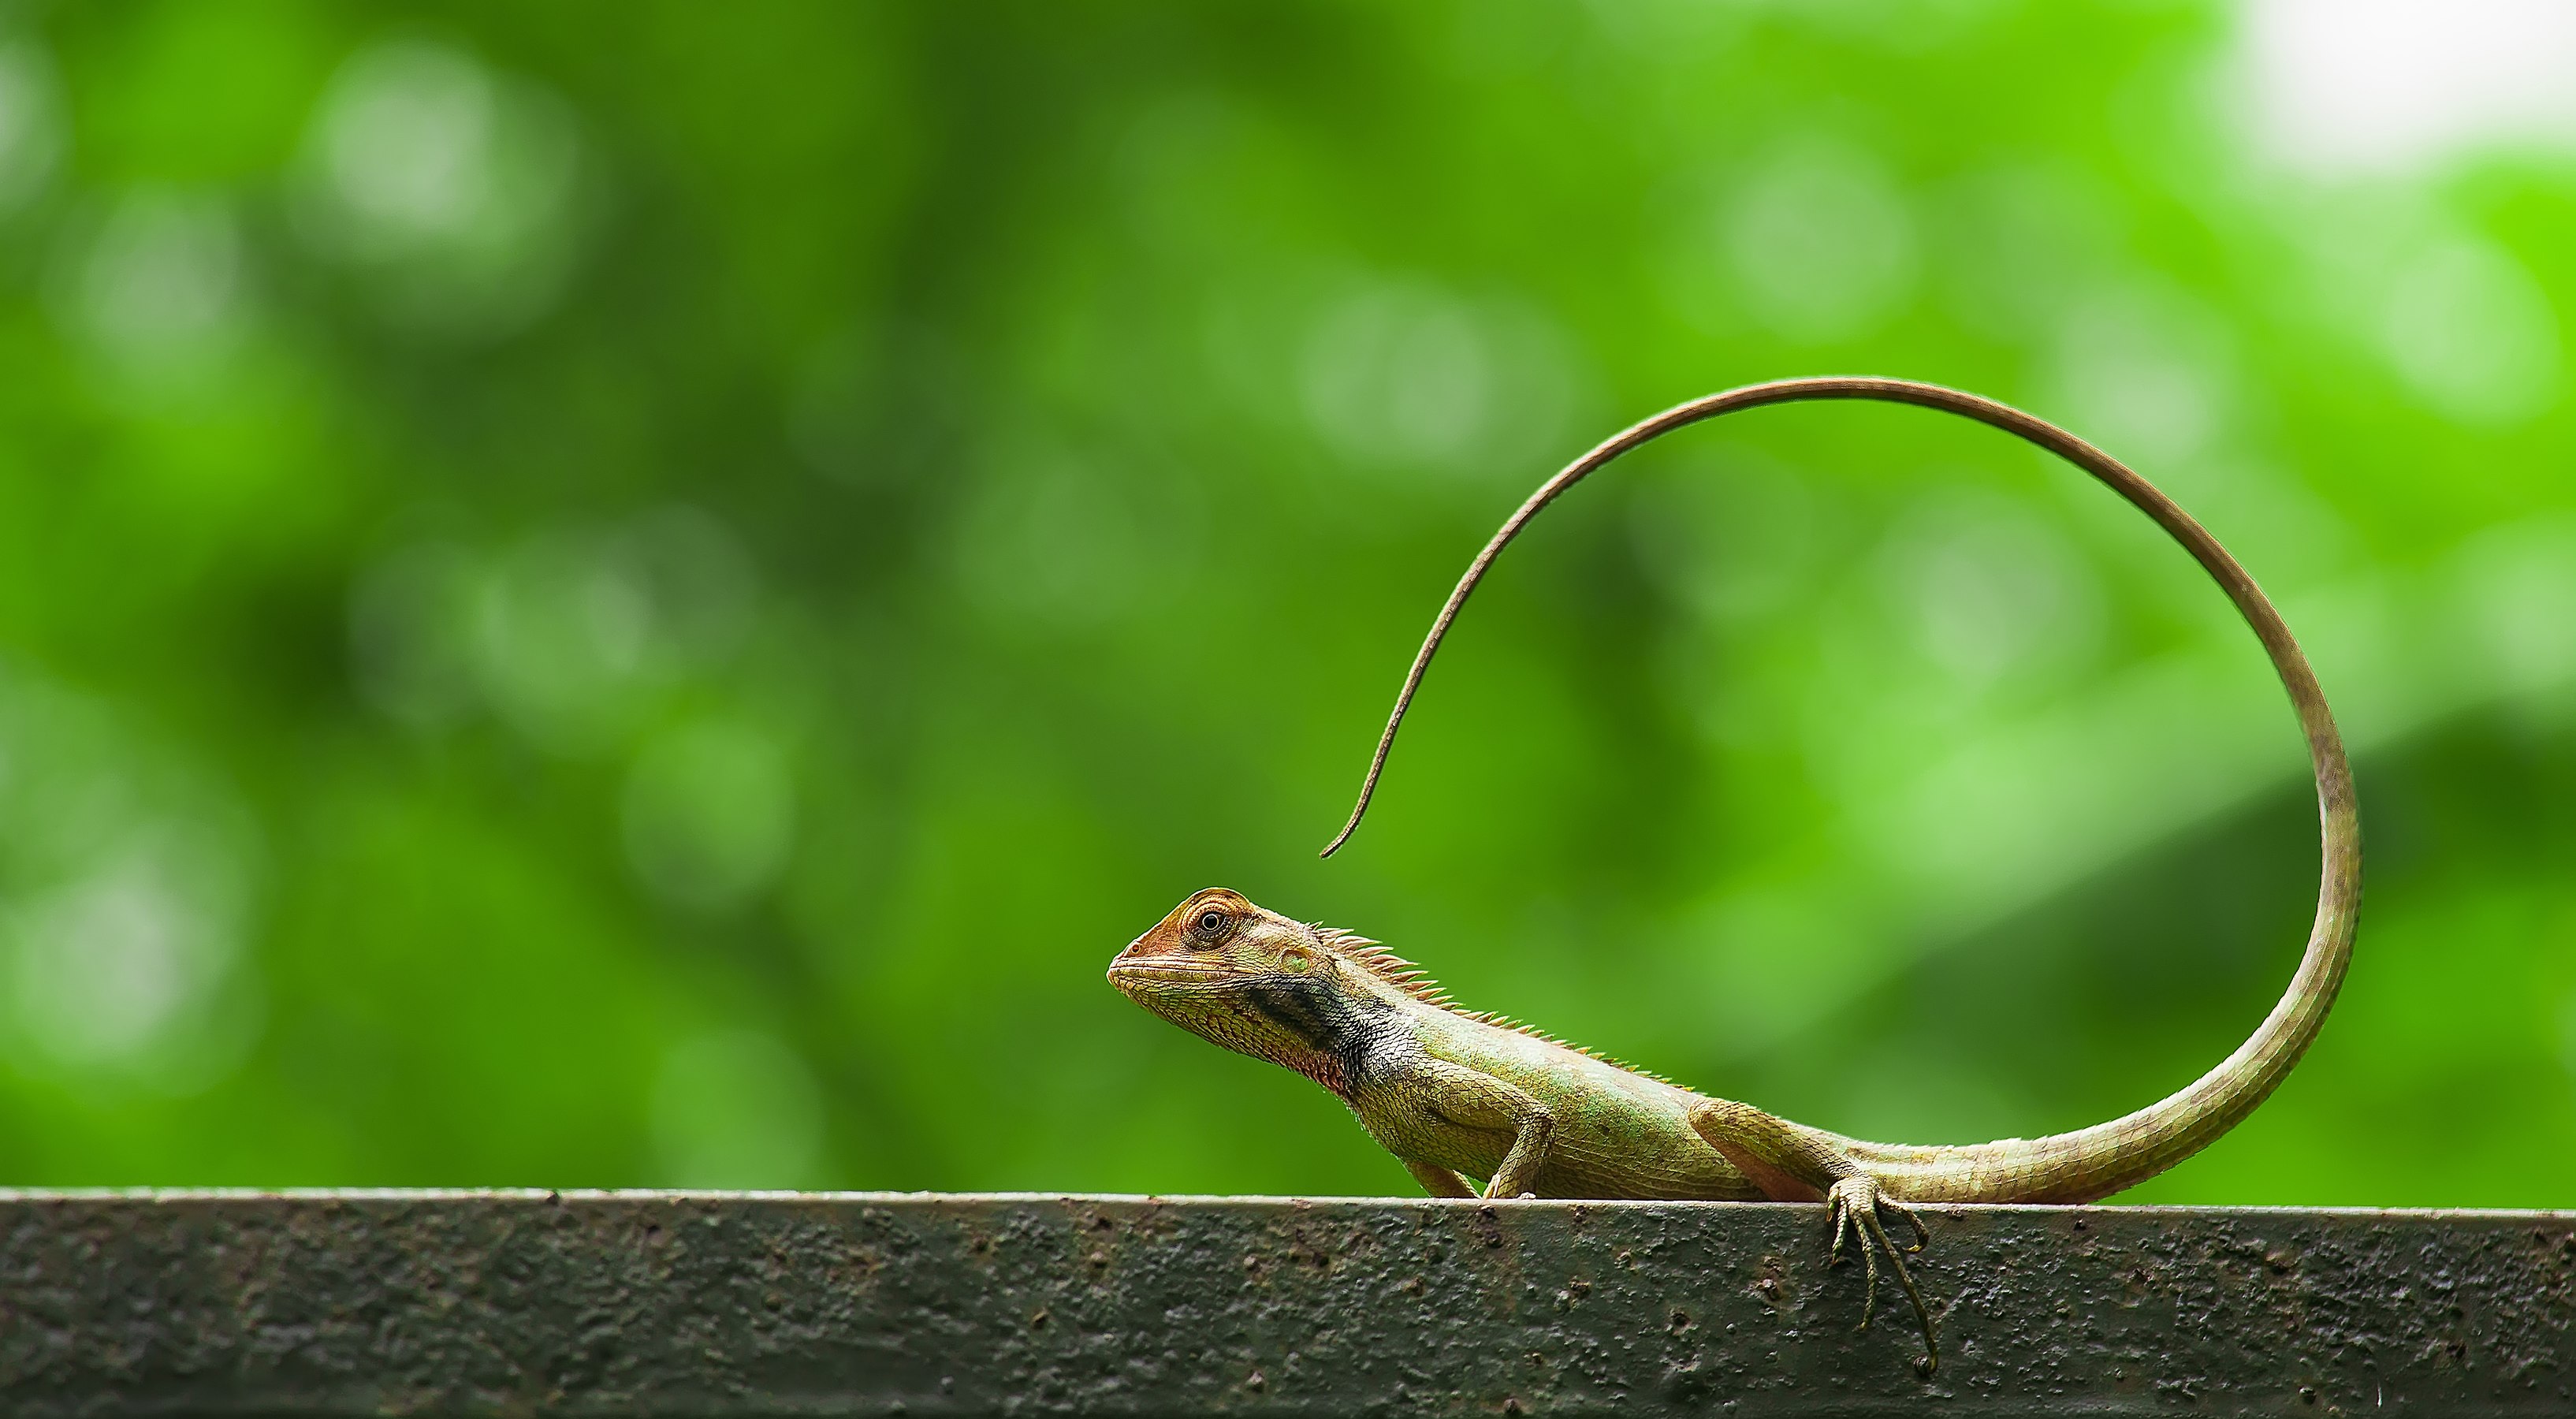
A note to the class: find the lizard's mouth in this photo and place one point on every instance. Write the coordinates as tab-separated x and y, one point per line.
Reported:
1125	973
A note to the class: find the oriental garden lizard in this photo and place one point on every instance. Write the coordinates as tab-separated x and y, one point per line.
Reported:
1460	1096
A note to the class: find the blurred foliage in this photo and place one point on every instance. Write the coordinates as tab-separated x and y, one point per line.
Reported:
596	596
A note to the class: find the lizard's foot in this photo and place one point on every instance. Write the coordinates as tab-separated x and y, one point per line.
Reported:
1855	1203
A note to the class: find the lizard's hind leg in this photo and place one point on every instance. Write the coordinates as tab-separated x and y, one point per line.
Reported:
1792	1163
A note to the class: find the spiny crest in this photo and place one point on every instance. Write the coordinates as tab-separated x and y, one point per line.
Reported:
1386	966
1416	982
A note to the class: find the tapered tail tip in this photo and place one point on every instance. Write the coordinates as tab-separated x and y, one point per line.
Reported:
1359	810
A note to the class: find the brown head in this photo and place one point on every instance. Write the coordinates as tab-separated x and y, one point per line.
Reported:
1255	982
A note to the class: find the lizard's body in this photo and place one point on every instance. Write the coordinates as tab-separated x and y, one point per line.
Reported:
1460	1096
1614	1132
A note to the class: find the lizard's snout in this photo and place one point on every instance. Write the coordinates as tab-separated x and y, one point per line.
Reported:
1159	957
1128	965
1141	948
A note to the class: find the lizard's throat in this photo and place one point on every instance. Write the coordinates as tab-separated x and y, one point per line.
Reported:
1298	1022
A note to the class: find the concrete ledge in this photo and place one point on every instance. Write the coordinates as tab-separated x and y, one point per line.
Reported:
327	1304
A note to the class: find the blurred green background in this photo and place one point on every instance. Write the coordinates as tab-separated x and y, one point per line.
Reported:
618	595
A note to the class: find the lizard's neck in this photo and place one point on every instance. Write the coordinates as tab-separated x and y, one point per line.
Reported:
1319	1025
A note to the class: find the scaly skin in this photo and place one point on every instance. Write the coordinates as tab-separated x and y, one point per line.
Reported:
1460	1096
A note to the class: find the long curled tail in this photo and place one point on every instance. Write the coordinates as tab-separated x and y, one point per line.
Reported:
2097	1161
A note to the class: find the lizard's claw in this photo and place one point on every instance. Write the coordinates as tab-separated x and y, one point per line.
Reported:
1855	1204
1914	1219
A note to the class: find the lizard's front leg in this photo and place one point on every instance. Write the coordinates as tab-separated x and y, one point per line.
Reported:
1794	1164
1518	1176
1470	1098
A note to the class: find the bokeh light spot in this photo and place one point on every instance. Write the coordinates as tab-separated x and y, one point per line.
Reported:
1822	243
451	188
709	815
31	124
1402	374
2473	336
1987	589
158	289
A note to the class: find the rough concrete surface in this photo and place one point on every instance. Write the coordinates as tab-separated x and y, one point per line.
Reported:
893	1304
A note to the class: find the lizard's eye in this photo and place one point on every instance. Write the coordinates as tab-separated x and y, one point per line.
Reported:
1211	924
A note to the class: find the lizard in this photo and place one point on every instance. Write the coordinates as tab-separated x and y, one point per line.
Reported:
1460	1096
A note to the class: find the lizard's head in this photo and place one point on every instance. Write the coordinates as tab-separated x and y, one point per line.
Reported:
1248	979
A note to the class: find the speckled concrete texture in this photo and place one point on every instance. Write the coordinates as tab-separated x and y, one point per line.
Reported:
893	1304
